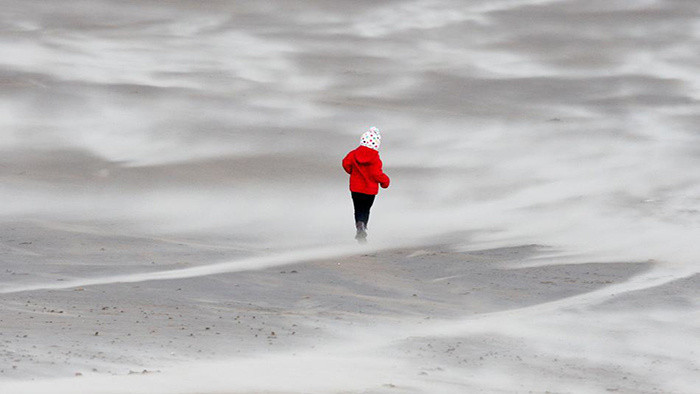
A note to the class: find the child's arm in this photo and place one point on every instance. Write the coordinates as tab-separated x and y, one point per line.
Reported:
379	176
383	180
347	163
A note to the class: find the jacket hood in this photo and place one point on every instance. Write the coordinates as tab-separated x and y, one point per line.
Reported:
365	155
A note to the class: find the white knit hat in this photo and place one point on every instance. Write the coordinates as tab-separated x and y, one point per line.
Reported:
371	139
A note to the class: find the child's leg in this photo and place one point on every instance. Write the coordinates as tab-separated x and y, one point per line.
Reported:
369	200
362	203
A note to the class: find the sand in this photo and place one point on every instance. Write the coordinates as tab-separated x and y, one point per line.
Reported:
402	303
174	217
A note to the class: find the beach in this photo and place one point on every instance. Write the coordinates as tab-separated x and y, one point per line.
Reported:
174	217
430	319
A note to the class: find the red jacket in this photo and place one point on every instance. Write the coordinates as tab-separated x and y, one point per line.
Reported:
365	169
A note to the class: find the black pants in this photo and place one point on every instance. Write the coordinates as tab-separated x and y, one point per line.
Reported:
362	203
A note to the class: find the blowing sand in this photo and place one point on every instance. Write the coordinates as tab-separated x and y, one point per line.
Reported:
376	321
174	217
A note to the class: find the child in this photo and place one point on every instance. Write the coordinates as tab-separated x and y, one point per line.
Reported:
365	169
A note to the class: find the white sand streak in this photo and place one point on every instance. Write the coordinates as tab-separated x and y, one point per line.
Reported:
252	263
496	321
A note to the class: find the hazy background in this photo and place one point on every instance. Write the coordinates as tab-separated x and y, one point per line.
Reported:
567	124
567	119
